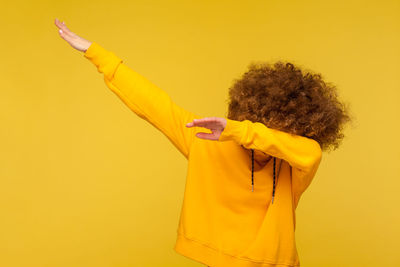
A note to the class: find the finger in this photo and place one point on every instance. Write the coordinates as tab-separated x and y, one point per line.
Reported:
66	37
61	28
64	28
63	34
57	22
207	136
209	124
195	122
203	121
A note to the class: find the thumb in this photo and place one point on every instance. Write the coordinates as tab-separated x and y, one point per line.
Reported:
208	136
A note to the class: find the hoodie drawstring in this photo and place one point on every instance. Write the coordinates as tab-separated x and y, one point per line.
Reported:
252	175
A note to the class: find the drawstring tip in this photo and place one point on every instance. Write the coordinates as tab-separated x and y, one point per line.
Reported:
272	199
252	188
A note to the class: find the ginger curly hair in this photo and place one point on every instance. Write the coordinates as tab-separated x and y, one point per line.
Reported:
284	97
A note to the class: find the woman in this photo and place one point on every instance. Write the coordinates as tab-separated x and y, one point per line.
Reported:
246	173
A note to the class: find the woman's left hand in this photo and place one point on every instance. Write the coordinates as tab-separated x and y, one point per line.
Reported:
215	124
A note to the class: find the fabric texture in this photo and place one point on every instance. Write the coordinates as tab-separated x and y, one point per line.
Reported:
223	223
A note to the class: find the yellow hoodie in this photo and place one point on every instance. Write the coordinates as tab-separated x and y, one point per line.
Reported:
223	221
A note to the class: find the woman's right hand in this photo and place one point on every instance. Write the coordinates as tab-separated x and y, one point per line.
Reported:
73	39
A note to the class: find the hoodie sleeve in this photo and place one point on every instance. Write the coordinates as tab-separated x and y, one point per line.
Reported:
303	154
300	152
144	98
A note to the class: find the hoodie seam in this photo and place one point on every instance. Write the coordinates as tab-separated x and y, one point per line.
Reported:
240	258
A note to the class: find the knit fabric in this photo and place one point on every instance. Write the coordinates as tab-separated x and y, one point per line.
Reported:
223	223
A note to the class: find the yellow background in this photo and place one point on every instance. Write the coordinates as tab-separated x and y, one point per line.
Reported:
86	182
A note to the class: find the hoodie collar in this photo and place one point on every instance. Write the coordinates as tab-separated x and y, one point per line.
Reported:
252	174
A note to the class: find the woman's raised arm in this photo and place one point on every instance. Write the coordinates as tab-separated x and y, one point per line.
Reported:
142	96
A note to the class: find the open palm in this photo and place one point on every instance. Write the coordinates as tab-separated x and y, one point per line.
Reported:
77	42
215	124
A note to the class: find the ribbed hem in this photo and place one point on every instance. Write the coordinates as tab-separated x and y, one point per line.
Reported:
205	254
105	60
234	130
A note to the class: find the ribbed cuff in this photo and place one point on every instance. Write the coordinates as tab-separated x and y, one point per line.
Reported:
105	61
234	130
210	256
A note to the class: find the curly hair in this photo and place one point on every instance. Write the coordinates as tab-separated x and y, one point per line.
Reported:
284	97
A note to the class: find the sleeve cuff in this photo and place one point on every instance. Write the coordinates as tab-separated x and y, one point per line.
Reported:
234	130
105	61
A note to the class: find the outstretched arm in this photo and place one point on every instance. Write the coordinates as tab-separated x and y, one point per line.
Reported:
302	153
142	96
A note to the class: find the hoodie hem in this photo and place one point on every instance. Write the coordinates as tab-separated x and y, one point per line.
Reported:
205	254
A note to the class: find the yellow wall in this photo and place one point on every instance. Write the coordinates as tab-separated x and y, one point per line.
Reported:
86	182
